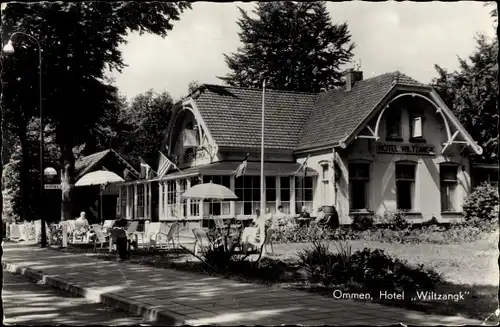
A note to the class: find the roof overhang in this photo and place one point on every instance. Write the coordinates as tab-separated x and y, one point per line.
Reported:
228	168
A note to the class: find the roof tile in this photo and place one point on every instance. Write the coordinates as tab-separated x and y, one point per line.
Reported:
293	120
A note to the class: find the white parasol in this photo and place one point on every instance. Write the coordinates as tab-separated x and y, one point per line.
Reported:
99	177
209	191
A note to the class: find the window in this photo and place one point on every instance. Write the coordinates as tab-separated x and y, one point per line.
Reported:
393	124
217	208
183	206
247	189
285	194
416	125
481	175
131	203
123	201
170	203
304	191
147	194
271	193
448	181
325	191
161	191
195	204
140	201
405	185
359	178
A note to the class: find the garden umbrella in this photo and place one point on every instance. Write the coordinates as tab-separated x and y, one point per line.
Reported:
99	177
209	191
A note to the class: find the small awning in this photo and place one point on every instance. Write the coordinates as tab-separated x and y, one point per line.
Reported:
253	169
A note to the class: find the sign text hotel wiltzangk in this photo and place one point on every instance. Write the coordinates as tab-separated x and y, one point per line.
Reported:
406	148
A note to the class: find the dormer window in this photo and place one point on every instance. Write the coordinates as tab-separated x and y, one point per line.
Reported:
393	125
416	126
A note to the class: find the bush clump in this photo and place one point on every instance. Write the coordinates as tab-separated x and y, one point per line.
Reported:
372	270
481	206
362	223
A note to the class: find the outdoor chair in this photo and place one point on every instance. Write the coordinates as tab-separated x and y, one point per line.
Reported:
100	236
38	229
219	224
164	238
16	232
202	242
29	231
250	244
143	239
107	225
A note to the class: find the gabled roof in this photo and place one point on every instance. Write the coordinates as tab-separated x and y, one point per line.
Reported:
234	115
338	112
294	121
86	164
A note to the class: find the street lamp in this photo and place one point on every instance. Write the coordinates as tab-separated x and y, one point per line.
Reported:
9	49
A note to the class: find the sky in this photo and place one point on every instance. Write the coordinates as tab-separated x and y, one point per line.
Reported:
406	36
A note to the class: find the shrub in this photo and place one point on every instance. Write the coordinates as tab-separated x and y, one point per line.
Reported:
318	263
373	270
396	220
481	205
362	223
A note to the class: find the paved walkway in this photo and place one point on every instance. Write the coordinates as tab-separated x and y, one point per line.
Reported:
29	304
177	297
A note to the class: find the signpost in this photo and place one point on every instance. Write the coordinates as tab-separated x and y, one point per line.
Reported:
52	186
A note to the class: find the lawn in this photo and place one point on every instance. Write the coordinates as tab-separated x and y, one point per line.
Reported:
469	267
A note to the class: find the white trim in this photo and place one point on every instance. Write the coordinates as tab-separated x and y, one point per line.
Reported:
412	94
190	105
456	123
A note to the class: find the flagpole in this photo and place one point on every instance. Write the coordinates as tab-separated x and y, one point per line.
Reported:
262	192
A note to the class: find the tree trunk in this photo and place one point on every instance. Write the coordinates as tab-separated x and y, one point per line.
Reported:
24	176
67	180
1	210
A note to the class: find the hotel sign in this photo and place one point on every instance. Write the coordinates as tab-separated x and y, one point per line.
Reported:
198	154
408	148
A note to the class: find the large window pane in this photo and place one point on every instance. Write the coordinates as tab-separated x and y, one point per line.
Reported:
359	178
448	180
304	193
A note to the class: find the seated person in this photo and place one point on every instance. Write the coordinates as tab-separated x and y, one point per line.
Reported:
320	218
268	218
82	222
304	213
82	226
281	217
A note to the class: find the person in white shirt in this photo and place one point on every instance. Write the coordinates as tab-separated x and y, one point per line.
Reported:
82	222
268	217
320	217
281	216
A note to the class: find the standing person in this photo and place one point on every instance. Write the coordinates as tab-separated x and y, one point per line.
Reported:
119	234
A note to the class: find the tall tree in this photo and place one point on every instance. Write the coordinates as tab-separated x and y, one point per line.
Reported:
292	45
472	94
80	41
142	125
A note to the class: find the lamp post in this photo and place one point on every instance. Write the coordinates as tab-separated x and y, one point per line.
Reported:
9	49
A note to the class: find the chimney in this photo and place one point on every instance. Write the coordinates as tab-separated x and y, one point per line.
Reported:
351	77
